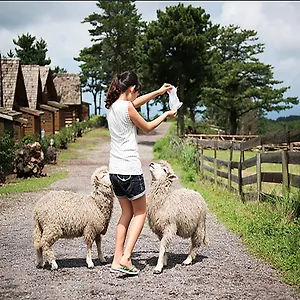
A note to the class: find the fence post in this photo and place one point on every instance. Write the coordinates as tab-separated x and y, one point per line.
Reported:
240	175
197	158
201	161
215	160
258	175
285	173
229	166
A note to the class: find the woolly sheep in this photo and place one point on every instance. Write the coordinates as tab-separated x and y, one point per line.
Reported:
64	214
173	212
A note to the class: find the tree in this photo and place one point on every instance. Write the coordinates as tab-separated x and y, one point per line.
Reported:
91	75
58	69
30	50
116	30
241	83
11	54
178	46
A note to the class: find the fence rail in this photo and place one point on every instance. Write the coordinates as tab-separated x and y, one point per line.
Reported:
284	158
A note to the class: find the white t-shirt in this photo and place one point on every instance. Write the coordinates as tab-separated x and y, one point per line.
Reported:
124	157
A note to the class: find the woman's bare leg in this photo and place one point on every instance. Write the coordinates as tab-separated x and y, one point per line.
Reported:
136	226
122	227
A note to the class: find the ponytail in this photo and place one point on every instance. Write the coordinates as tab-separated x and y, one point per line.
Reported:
113	92
119	84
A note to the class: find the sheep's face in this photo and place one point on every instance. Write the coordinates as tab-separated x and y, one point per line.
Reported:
161	170
101	176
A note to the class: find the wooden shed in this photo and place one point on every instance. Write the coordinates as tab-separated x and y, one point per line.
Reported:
33	87
50	98
68	89
12	95
85	111
12	122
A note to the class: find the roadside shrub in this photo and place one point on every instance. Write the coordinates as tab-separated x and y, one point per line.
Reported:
27	139
7	156
171	147
287	206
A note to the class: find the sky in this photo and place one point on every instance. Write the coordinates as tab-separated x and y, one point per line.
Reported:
59	24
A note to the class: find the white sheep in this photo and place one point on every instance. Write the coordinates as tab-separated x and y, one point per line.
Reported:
64	214
173	212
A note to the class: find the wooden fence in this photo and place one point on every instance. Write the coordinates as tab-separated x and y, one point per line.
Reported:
284	158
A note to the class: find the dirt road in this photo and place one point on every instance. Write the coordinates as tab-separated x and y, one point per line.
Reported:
223	270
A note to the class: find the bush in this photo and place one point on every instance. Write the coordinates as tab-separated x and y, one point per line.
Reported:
7	156
27	139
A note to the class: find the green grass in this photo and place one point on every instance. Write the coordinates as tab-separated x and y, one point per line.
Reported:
32	184
265	227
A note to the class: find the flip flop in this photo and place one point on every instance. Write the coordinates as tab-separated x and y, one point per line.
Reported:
111	270
132	271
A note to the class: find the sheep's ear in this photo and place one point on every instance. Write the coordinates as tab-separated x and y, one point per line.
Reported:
172	177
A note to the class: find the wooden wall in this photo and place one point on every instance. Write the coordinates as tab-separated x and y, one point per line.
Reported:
85	112
47	122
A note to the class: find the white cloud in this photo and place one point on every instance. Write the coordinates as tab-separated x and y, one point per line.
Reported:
277	23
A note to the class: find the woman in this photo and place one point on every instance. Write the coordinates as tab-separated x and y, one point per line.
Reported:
124	163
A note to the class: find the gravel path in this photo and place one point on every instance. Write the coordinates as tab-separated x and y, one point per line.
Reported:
223	270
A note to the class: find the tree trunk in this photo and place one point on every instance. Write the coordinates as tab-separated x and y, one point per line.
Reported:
148	111
100	100
233	122
180	120
95	103
193	115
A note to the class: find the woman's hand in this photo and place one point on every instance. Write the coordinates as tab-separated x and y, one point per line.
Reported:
165	87
172	113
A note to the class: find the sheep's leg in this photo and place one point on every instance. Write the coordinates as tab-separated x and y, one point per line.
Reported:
39	258
164	246
197	239
89	239
48	239
100	254
37	236
165	259
89	256
50	254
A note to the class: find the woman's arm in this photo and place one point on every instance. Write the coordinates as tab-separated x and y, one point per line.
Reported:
145	126
146	98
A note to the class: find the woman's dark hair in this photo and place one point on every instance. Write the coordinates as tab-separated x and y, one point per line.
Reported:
119	84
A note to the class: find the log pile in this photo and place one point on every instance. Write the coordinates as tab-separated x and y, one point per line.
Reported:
29	161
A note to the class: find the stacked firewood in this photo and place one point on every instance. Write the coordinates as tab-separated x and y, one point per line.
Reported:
29	161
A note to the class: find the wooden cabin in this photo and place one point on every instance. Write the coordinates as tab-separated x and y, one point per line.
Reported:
68	89
33	87
12	95
12	123
50	98
85	111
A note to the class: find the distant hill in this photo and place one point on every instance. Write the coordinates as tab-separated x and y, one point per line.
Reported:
288	119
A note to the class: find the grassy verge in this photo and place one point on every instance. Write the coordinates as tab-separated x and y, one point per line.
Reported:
268	231
56	172
31	184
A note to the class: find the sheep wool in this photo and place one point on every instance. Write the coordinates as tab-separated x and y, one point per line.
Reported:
173	212
64	214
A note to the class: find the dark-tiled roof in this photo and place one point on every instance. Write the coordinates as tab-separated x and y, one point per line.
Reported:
68	88
9	70
44	72
31	80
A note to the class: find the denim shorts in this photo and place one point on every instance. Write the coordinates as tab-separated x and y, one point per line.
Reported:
130	186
